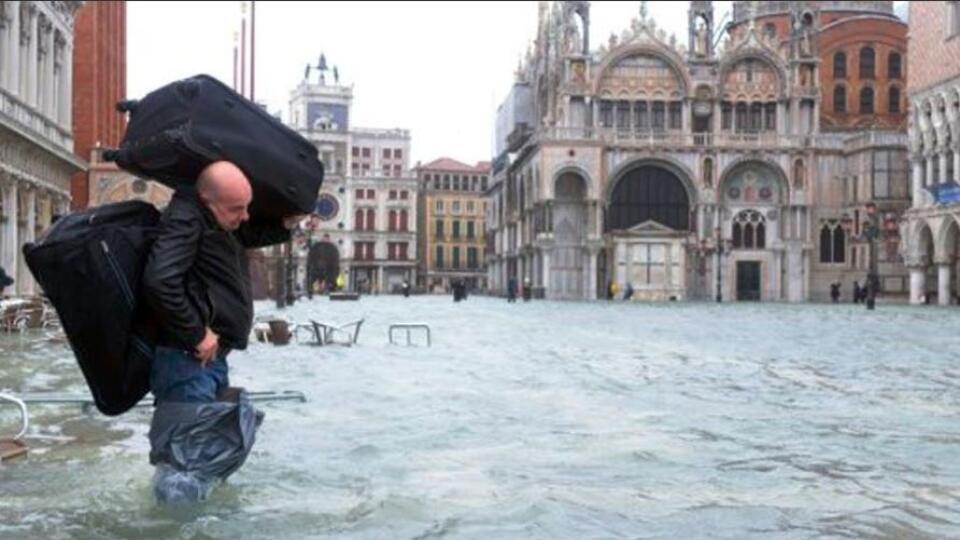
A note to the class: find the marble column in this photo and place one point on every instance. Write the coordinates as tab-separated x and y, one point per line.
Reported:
917	182
545	265
49	83
918	284
943	166
32	60
591	290
10	240
930	180
944	272
13	52
956	163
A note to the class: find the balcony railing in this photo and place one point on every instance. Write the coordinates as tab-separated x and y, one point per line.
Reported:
769	139
19	112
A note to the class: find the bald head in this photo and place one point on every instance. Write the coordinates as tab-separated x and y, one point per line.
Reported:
225	190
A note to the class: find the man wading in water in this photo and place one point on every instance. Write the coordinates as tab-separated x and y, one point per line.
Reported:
198	283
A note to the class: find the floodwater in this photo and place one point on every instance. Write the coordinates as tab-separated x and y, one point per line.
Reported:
539	420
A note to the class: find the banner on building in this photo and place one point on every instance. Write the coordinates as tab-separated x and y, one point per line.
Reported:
945	193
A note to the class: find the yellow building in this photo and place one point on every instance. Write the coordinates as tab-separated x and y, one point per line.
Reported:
451	224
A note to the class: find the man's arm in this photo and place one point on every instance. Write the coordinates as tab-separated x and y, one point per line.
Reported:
255	234
164	278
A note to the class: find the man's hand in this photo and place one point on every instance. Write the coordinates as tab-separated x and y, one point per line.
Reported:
292	221
207	348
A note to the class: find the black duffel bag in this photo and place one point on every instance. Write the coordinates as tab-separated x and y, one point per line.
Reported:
89	264
175	131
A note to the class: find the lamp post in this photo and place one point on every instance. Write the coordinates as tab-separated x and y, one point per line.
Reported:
719	239
872	231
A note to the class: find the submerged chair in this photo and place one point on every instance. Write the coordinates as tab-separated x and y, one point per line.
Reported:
11	447
325	333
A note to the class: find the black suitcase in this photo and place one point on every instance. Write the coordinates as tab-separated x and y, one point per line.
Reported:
175	131
89	264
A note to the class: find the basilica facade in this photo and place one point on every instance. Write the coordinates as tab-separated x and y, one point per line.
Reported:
700	171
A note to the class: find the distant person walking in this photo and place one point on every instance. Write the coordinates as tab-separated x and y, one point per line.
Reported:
612	290
835	292
512	289
527	290
628	291
856	292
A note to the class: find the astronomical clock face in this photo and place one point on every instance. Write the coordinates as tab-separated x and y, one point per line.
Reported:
327	207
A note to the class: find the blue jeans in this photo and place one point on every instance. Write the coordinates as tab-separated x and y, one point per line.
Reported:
177	375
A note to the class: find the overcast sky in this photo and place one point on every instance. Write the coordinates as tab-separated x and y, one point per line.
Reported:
438	69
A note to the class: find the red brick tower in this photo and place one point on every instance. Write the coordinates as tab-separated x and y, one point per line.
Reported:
99	81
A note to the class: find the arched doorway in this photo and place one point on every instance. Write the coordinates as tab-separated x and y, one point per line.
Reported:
569	234
648	193
647	222
323	264
947	264
753	194
926	249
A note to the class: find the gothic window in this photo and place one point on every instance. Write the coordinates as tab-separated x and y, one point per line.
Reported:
370	219
866	101
392	220
741	119
606	114
623	115
676	112
893	66
840	65
756	117
358	220
894	100
749	230
439	228
641	121
658	116
404	219
438	262
833	242
726	115
867	63
770	117
840	99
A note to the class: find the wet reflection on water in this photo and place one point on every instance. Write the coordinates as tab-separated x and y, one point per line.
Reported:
540	420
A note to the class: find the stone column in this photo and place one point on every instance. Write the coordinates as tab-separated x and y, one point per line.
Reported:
943	283
930	180
381	286
943	166
917	181
10	207
918	284
13	56
66	88
956	163
50	85
591	292
32	60
545	266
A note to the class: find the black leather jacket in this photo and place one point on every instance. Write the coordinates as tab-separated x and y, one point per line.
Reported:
197	274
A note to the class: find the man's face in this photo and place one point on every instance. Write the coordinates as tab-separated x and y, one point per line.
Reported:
226	192
230	208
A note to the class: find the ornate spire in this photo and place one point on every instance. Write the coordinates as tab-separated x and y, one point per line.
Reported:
643	10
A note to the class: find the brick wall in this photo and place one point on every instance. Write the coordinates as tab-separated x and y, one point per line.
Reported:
884	36
933	58
99	81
